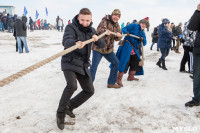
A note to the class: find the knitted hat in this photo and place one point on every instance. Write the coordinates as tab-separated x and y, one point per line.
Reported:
116	12
147	18
180	24
144	21
134	21
165	21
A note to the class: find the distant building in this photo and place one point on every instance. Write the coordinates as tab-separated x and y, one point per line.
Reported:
7	9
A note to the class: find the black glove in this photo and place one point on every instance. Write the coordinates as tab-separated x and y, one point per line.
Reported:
141	39
127	34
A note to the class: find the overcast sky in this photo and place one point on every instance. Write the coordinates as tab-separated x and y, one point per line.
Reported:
175	10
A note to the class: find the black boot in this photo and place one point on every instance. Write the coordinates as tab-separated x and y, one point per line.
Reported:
191	104
159	63
69	112
191	76
163	65
60	122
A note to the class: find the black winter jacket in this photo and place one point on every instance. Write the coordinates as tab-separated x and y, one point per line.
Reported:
155	35
20	28
79	59
24	19
194	25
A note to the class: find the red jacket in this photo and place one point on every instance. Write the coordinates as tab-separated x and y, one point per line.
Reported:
38	22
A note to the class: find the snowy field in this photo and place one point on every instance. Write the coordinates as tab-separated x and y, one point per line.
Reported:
154	104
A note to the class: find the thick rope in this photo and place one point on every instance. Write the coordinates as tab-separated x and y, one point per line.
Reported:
47	60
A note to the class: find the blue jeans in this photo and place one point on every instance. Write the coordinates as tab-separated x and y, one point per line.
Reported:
196	78
23	38
164	53
96	58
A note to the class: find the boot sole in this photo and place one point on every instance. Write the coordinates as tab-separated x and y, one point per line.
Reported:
70	121
158	65
133	80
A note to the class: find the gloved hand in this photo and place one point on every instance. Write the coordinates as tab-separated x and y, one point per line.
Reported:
127	34
141	39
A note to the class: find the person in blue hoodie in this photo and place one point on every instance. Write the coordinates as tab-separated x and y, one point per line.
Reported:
128	53
164	41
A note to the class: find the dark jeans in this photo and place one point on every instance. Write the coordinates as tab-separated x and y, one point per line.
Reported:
96	58
196	82
71	79
31	27
186	58
164	53
173	40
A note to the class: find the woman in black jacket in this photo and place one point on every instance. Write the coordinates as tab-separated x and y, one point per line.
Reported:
155	38
75	64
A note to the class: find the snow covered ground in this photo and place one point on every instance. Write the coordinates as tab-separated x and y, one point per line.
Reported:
154	104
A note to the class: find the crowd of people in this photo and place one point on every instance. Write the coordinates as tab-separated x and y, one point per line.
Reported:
18	25
7	22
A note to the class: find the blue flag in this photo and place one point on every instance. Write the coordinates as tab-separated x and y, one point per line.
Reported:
37	14
25	11
46	12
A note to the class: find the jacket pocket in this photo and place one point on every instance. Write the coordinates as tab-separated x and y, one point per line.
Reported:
77	62
74	61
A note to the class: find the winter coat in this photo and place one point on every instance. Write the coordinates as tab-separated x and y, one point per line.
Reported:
30	21
123	52
38	22
20	28
165	37
188	36
7	19
1	15
194	25
15	18
24	19
107	23
178	31
155	35
173	31
3	19
10	22
78	60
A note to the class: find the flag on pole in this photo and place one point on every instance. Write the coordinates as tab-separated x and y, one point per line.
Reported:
25	11
46	12
37	14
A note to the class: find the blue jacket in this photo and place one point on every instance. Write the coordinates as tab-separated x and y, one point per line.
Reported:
165	37
123	52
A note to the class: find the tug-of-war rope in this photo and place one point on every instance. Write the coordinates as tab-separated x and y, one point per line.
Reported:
21	73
